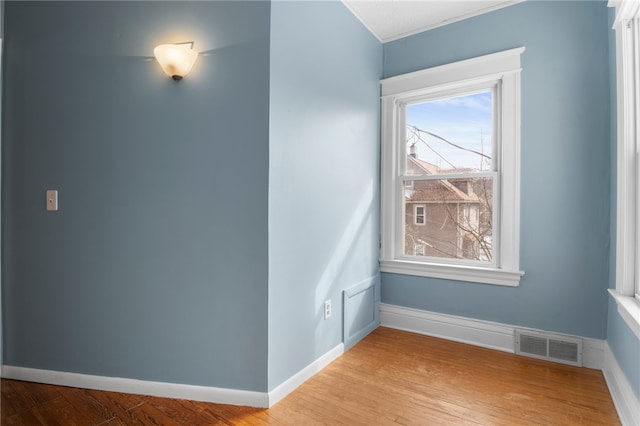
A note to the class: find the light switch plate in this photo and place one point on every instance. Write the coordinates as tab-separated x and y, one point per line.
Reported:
52	200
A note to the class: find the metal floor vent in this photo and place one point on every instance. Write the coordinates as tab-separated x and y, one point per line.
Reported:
551	347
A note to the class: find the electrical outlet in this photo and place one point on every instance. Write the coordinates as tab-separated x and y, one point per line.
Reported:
327	309
52	200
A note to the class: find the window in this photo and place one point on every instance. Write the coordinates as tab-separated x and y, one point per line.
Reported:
455	179
627	291
450	171
418	214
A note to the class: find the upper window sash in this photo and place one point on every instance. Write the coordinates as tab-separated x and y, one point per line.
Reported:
429	94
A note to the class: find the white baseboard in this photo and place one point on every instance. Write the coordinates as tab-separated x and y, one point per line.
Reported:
593	353
305	374
465	330
486	334
139	387
627	405
173	390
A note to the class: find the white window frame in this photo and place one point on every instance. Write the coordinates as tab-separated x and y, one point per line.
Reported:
424	214
501	70
627	29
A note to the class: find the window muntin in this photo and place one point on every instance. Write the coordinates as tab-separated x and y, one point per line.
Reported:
496	166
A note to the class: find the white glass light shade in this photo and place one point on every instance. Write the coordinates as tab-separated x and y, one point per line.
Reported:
175	59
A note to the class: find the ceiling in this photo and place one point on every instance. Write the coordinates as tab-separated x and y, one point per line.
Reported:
393	19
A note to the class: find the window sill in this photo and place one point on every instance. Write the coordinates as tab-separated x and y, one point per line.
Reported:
453	272
629	310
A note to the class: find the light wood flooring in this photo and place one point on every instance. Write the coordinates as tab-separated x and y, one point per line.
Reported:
390	378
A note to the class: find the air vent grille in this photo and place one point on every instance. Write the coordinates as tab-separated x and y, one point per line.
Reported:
567	351
551	347
533	345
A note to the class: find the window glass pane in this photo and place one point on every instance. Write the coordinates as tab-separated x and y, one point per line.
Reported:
457	219
452	135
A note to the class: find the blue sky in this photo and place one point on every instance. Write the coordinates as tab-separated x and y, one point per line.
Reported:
463	120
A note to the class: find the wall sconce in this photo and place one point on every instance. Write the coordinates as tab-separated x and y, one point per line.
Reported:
176	59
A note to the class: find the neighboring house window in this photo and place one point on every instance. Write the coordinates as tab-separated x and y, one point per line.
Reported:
451	152
419	214
627	291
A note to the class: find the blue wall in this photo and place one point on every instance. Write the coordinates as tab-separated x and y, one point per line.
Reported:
155	267
323	178
565	166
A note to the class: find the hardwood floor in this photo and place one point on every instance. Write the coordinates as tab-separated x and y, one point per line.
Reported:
391	377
